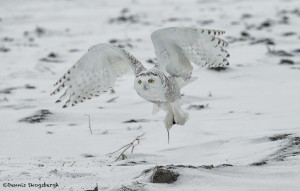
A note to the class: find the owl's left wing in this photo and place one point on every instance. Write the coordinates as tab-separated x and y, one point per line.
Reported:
95	72
177	47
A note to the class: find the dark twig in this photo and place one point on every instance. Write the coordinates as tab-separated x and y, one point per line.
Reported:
73	163
89	123
126	147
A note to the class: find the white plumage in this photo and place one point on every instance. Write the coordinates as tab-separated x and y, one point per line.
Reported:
175	48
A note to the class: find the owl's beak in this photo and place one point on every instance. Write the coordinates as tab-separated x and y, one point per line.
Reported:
145	87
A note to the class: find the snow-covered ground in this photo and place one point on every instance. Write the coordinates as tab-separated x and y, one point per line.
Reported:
249	130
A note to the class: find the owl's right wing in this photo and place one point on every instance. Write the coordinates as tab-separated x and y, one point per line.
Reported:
95	72
177	47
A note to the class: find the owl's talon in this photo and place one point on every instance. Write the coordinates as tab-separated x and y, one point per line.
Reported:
168	136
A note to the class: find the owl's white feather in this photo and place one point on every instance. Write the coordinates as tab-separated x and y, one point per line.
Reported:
95	72
176	48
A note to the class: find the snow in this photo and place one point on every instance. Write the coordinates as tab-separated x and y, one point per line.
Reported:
254	99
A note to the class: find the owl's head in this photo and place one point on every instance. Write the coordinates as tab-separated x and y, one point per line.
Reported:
148	82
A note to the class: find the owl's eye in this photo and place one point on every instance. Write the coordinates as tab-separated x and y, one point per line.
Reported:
150	81
140	81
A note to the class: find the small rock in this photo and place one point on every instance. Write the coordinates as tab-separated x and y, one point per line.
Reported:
289	34
297	50
161	175
26	33
4	49
245	34
88	156
279	137
113	41
74	50
286	61
40	31
284	20
246	16
259	163
125	19
279	53
124	11
173	19
52	55
265	24
134	121
235	23
38	117
28	86
151	61
205	22
121	46
8	39
197	107
165	174
7	90
266	41
218	69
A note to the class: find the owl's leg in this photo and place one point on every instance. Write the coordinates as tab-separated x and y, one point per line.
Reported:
169	119
175	115
169	130
168	136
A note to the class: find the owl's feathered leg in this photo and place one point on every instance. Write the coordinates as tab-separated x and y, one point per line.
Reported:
169	119
180	117
175	115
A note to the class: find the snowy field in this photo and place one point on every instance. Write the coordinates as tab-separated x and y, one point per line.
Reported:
244	127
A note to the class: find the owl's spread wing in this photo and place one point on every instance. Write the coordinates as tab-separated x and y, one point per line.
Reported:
176	48
95	72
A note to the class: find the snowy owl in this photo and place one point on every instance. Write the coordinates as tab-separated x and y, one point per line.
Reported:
176	48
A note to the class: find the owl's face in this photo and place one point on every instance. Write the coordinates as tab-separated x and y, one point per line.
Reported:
149	87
